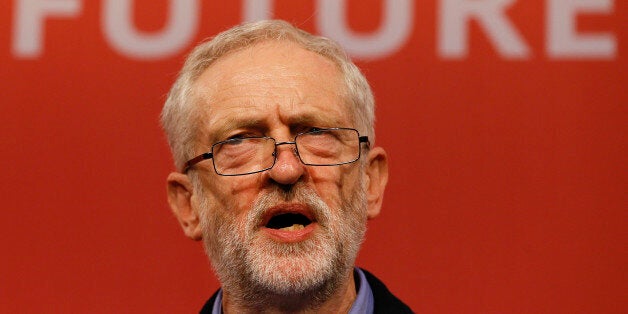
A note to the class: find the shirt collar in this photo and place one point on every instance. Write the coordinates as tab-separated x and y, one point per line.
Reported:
364	300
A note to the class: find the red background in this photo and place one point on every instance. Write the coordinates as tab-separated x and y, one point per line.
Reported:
508	178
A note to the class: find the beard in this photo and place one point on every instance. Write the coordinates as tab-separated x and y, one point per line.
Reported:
259	271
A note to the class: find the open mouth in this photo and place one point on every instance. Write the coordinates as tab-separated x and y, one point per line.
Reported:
288	222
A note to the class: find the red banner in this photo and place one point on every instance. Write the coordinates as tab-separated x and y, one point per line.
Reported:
504	121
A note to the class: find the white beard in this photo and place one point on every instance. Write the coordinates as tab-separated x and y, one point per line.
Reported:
258	271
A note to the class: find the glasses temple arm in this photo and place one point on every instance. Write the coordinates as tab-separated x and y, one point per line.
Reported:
188	164
364	139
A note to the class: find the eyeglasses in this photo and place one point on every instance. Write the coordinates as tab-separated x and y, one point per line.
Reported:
248	155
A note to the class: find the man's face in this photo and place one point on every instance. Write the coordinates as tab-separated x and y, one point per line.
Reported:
293	228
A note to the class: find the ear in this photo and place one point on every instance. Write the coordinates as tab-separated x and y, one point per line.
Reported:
377	177
180	192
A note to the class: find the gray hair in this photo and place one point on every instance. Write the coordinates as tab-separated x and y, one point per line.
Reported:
178	114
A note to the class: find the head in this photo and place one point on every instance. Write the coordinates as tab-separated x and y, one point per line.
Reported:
293	230
179	117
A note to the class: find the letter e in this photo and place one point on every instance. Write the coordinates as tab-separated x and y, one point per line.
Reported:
563	40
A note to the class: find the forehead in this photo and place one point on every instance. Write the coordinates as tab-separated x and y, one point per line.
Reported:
271	83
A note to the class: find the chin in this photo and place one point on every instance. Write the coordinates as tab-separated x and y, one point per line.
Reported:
294	268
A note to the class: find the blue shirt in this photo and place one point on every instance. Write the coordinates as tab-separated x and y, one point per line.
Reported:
363	304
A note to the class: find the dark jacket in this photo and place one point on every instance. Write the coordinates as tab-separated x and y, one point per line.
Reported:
385	301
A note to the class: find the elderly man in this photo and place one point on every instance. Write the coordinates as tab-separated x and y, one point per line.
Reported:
272	130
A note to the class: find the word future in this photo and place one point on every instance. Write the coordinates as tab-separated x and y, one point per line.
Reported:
563	41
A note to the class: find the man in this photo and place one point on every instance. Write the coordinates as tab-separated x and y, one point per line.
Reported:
272	130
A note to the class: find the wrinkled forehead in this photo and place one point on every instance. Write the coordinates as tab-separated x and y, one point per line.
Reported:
278	71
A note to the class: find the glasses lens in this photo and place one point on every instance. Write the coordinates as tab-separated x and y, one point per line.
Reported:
243	155
328	147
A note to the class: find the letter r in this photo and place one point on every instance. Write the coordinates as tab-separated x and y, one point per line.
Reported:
453	28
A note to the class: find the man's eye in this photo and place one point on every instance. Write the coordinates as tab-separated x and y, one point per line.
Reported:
234	141
240	136
240	139
315	130
236	136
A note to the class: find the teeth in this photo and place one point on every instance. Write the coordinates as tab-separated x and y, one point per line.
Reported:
293	227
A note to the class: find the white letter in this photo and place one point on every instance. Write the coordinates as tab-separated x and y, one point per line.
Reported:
563	40
28	27
453	28
391	35
123	36
257	10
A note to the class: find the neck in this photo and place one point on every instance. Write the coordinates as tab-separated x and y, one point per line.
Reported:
338	301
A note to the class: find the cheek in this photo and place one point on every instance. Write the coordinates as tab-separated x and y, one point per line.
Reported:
233	194
334	184
222	212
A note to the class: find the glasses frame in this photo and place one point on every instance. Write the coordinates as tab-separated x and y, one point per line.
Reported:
210	154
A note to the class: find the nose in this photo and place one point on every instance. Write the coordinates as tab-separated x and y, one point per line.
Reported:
288	168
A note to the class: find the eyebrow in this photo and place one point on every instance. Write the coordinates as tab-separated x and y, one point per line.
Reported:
229	124
221	129
310	119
